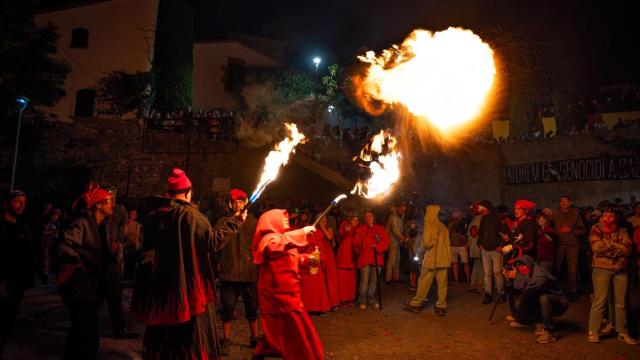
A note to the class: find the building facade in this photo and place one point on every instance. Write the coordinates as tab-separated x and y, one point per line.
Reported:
216	64
97	38
100	37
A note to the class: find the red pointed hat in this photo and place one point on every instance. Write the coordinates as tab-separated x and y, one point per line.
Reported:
94	196
525	204
237	194
178	180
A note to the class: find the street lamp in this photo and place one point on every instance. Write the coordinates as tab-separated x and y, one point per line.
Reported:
316	60
23	103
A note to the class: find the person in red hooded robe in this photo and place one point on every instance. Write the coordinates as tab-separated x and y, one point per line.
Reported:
174	289
345	260
288	330
329	265
315	286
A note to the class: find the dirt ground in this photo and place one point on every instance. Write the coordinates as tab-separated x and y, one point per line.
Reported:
391	333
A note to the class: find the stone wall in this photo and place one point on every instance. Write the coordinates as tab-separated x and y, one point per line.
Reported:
564	148
111	150
108	149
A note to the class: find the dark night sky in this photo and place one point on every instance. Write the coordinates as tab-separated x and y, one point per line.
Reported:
337	30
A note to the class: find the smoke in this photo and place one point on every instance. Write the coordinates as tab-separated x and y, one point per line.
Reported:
261	123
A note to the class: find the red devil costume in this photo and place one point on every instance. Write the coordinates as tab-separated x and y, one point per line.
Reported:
288	330
174	287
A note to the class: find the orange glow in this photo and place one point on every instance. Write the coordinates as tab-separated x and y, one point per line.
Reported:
444	77
384	166
277	158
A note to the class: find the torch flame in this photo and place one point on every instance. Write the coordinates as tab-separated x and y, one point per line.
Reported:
444	77
278	158
383	166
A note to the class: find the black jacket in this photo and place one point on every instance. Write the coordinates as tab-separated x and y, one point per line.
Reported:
236	257
490	227
175	278
17	260
85	243
523	237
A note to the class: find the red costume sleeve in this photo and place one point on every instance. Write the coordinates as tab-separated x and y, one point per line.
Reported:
384	243
358	240
342	230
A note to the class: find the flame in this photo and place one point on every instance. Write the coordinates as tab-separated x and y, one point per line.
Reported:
444	77
278	158
383	166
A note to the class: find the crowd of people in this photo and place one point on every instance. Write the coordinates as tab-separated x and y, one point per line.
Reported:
291	261
216	124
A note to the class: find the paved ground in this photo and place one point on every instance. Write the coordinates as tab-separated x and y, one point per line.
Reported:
464	333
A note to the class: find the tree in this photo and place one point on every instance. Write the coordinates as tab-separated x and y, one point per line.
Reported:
172	65
28	67
119	93
269	93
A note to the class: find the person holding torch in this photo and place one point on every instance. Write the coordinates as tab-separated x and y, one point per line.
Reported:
288	330
238	274
174	290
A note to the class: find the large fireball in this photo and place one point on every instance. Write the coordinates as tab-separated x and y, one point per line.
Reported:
444	77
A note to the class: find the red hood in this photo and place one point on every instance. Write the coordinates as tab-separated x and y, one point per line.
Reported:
270	227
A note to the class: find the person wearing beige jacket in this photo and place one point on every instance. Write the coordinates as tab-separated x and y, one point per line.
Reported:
436	263
611	247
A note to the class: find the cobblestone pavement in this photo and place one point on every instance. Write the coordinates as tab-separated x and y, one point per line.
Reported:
391	333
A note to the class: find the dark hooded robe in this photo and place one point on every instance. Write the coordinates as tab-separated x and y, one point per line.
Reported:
174	289
288	331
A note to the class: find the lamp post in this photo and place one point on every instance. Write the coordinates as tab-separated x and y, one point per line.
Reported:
316	60
23	103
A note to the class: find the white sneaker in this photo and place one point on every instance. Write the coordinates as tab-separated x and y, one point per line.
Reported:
627	339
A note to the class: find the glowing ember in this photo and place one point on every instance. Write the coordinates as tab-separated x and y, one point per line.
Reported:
444	77
383	163
277	158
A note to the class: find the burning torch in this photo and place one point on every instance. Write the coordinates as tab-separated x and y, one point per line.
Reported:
275	160
326	211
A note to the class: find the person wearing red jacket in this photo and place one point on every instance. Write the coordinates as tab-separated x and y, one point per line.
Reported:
288	330
370	239
345	260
